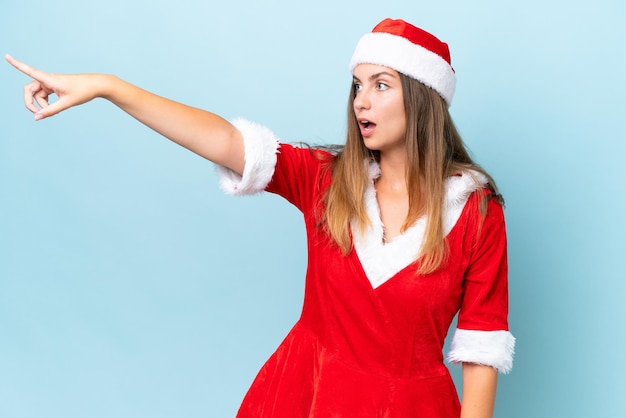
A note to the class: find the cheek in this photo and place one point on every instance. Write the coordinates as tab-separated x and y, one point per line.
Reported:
397	108
399	116
394	109
400	124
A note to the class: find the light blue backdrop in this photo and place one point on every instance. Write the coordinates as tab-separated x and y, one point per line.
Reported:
131	287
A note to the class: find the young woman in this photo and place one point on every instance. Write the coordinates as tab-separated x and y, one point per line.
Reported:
404	230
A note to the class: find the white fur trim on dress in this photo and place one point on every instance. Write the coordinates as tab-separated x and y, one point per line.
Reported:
381	261
488	348
407	58
260	148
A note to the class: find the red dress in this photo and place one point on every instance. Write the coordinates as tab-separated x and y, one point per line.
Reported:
369	340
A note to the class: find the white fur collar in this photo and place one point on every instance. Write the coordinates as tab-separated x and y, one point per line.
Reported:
381	261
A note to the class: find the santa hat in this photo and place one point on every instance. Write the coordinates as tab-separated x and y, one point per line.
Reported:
411	51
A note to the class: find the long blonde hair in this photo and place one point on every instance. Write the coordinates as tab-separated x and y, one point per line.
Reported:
435	151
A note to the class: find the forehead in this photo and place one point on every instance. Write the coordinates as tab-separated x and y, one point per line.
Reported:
365	71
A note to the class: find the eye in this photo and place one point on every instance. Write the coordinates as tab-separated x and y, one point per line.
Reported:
381	86
357	87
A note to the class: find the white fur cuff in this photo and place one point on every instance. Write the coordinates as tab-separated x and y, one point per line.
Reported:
260	147
489	348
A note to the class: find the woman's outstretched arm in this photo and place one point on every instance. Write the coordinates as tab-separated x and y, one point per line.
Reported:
202	132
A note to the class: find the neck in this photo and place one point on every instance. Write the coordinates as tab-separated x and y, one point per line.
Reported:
393	171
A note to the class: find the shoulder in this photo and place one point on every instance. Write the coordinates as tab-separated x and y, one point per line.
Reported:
304	150
470	199
301	175
296	160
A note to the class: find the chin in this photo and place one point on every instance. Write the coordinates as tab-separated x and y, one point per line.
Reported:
371	145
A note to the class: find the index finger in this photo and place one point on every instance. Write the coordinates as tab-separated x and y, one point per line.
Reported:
25	68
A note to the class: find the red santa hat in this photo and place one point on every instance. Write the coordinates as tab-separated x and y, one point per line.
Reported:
411	51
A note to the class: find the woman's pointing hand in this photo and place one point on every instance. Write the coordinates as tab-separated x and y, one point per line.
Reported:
71	90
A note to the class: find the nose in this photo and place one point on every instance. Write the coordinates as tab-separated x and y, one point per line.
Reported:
361	100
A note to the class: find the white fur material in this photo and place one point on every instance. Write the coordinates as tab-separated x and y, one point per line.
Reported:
381	261
488	348
260	147
404	56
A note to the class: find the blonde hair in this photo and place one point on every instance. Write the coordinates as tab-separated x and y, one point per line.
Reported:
435	151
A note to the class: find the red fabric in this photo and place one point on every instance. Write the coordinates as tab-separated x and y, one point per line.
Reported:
414	34
363	352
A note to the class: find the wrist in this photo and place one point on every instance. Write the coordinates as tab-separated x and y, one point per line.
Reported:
108	85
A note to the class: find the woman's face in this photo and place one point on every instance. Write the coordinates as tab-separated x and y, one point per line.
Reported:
379	107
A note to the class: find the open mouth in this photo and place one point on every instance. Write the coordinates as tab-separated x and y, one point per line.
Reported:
366	126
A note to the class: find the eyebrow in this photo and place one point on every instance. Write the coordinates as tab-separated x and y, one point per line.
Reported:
374	76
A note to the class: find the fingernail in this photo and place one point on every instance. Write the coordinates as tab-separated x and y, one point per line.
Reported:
38	116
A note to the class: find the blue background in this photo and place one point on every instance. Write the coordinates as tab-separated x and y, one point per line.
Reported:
131	287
